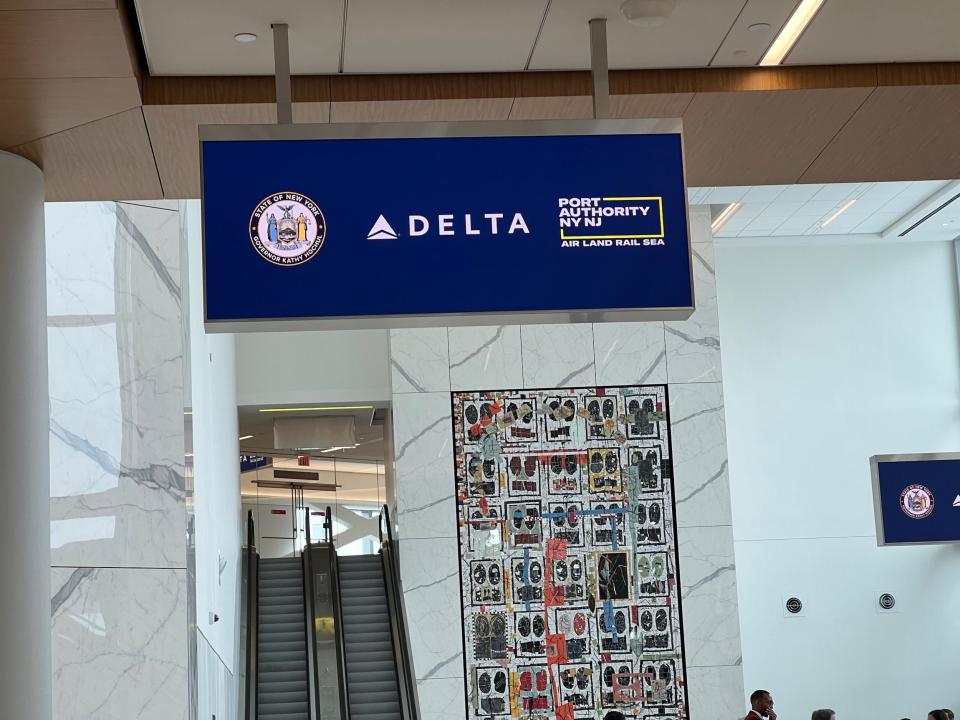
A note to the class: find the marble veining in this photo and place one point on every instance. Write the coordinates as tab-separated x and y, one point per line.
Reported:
558	355
119	647
485	357
116	387
424	465
711	625
419	360
700	455
441	698
630	353
693	345
431	589
716	693
119	597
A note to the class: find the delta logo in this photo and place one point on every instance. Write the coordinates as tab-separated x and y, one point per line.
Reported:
452	225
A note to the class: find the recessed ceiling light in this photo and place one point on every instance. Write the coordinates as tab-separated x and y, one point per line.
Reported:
245	37
791	32
739	53
317	409
846	206
758	27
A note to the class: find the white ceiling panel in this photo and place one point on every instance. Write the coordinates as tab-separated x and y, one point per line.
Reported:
866	31
753	32
689	38
777	210
196	37
440	35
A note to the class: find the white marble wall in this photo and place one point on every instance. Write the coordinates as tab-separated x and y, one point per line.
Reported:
427	364
117	492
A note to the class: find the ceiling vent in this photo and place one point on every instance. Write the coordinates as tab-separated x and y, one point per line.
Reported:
314	433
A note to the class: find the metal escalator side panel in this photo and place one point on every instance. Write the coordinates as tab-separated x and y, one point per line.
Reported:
406	676
328	622
249	631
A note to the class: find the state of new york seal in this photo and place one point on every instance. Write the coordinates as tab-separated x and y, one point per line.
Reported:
287	229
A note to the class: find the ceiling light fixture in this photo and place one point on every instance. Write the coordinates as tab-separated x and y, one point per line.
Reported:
846	206
246	437
721	219
791	32
244	37
328	408
647	13
342	447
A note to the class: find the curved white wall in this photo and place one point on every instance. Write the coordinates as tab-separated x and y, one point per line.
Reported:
24	532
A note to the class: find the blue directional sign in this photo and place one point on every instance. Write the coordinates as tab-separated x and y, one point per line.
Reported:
393	225
916	498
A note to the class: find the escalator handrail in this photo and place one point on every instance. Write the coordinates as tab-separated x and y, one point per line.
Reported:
252	620
406	679
313	673
338	620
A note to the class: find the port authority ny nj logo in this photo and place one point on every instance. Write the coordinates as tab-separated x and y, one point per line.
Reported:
381	230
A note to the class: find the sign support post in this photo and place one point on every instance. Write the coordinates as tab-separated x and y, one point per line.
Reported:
599	68
281	70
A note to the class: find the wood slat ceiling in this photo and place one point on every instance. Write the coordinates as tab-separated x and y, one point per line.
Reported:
76	101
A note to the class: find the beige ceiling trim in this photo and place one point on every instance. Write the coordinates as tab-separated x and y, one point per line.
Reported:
36	5
33	108
898	133
65	44
102	160
453	86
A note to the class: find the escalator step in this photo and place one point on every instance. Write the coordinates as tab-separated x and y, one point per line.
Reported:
271	697
362	667
282	634
282	708
376	711
367	699
276	619
281	666
272	677
366	688
375	676
283	686
351	626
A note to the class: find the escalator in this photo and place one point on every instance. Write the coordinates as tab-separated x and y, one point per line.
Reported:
326	636
371	668
283	692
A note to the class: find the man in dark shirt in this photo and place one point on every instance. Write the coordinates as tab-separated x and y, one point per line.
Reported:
761	706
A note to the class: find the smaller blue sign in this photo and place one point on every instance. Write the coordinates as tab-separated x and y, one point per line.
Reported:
253	462
916	498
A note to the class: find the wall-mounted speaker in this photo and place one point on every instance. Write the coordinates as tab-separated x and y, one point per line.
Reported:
793	605
885	602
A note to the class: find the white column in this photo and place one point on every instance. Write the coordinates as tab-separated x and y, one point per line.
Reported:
25	681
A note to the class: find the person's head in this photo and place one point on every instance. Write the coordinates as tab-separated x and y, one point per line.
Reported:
824	714
938	715
614	715
761	701
949	713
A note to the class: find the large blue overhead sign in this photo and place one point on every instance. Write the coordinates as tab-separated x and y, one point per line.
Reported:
916	498
467	223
